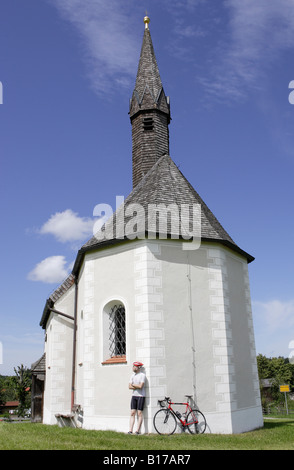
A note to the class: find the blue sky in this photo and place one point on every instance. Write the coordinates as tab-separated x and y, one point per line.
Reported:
68	69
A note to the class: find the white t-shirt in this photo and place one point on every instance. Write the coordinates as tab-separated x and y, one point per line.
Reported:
137	379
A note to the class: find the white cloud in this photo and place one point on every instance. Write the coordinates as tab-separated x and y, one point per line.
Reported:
51	270
109	47
276	314
258	32
274	326
250	35
67	226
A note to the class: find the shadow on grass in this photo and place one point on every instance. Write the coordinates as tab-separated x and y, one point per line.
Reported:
275	423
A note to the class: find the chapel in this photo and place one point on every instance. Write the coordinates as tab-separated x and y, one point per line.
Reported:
161	282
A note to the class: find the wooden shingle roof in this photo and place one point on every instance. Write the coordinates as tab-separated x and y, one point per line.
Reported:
163	184
148	91
57	294
64	287
39	366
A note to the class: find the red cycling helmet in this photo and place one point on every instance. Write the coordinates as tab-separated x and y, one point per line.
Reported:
137	364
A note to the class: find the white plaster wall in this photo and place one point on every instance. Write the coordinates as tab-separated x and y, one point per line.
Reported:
131	274
209	346
58	348
149	324
188	317
102	389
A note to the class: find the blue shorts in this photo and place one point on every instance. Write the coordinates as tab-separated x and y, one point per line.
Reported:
137	403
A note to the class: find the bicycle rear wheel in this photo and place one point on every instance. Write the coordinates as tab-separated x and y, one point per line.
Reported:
164	422
196	422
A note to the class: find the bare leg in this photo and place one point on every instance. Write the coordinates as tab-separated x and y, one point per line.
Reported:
140	420
132	419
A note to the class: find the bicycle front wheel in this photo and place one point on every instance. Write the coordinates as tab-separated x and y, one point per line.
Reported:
196	422
164	422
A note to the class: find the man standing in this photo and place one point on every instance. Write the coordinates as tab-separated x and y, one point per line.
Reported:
137	384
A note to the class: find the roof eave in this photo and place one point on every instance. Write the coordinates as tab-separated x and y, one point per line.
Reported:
114	241
46	312
232	246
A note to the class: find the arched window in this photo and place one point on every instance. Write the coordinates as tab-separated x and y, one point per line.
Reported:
117	331
114	332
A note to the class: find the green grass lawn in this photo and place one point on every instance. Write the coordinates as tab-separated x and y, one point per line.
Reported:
277	434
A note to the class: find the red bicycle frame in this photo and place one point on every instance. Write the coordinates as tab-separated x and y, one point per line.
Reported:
178	414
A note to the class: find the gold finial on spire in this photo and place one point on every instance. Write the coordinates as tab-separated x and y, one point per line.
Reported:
146	21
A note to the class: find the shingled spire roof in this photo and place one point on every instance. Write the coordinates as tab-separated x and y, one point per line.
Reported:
148	92
149	112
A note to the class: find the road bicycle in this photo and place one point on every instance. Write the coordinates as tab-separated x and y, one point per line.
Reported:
166	419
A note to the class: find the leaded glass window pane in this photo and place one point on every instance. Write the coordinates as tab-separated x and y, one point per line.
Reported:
117	331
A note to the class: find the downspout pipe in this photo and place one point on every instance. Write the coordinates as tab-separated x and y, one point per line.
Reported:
74	347
61	313
193	346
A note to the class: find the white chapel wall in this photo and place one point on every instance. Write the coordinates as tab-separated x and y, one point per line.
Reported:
209	338
188	319
58	348
101	388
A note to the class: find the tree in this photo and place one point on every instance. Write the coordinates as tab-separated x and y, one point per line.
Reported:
263	365
22	382
279	370
2	391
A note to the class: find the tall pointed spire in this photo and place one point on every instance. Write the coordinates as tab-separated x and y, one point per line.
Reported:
149	111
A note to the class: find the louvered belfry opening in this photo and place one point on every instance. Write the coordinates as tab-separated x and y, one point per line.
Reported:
149	113
148	124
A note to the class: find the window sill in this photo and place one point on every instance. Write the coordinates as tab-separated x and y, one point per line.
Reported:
115	360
